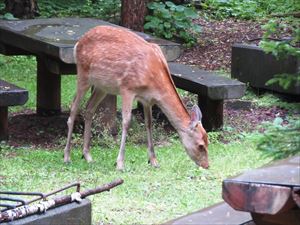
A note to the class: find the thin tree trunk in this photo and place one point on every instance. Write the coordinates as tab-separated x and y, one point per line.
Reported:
133	14
23	9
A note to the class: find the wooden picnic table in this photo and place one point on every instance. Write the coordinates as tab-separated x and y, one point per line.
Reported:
271	194
52	42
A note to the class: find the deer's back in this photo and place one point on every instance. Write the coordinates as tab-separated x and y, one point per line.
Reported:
115	58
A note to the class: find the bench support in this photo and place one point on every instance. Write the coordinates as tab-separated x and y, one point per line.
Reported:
3	123
107	112
48	90
212	112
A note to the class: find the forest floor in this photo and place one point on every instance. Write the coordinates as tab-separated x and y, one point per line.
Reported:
213	52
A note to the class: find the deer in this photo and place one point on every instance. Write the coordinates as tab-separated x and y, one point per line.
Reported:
115	60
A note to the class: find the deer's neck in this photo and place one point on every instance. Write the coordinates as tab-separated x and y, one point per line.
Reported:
176	112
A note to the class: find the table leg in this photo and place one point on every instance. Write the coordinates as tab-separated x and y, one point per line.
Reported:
48	90
212	113
3	123
291	217
107	112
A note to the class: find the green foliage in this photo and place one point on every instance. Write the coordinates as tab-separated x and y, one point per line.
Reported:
8	16
282	49
104	9
232	8
172	21
284	80
281	141
248	9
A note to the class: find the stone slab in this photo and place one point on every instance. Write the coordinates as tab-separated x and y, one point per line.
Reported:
11	95
56	37
219	214
74	213
250	64
205	83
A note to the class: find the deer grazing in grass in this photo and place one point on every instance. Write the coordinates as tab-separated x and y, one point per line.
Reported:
117	61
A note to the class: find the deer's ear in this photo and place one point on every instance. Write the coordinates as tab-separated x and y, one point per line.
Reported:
196	115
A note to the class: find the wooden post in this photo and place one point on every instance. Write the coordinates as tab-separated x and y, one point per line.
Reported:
3	123
48	90
107	113
290	217
25	9
212	113
133	14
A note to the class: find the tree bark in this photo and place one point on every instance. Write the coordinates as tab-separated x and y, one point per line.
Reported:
23	9
133	14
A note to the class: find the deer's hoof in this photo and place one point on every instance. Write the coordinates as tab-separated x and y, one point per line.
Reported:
88	158
120	166
153	163
67	160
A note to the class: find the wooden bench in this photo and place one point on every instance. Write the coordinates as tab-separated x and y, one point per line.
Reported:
221	214
212	90
10	95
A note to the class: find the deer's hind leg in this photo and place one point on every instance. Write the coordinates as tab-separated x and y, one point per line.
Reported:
148	124
82	88
127	101
95	99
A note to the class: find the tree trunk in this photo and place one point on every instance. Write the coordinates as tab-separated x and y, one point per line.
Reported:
23	9
133	14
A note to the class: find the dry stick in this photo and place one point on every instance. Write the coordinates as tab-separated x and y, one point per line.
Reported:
27	210
294	14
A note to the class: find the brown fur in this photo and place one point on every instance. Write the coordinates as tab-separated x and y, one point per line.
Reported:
117	61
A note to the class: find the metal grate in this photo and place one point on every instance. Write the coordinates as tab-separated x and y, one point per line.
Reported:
13	199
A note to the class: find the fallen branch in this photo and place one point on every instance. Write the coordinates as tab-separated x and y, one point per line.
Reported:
42	206
294	14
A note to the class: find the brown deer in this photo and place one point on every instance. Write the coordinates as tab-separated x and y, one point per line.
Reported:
117	61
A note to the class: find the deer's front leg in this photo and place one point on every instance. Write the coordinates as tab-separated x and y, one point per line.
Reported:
96	97
127	101
81	90
148	124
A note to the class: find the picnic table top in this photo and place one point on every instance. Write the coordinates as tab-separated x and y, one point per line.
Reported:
282	173
266	190
55	36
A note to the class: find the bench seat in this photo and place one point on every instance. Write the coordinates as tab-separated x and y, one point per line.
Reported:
10	95
212	90
219	214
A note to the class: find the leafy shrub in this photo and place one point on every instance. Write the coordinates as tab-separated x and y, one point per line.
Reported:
8	16
248	9
282	49
281	141
104	9
231	8
172	21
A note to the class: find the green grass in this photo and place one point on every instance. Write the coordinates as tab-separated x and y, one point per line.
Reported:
21	71
148	195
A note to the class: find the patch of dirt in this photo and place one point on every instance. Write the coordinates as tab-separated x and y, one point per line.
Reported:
28	129
248	119
214	49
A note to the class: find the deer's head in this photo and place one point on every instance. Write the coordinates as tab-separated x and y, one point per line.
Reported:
195	139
